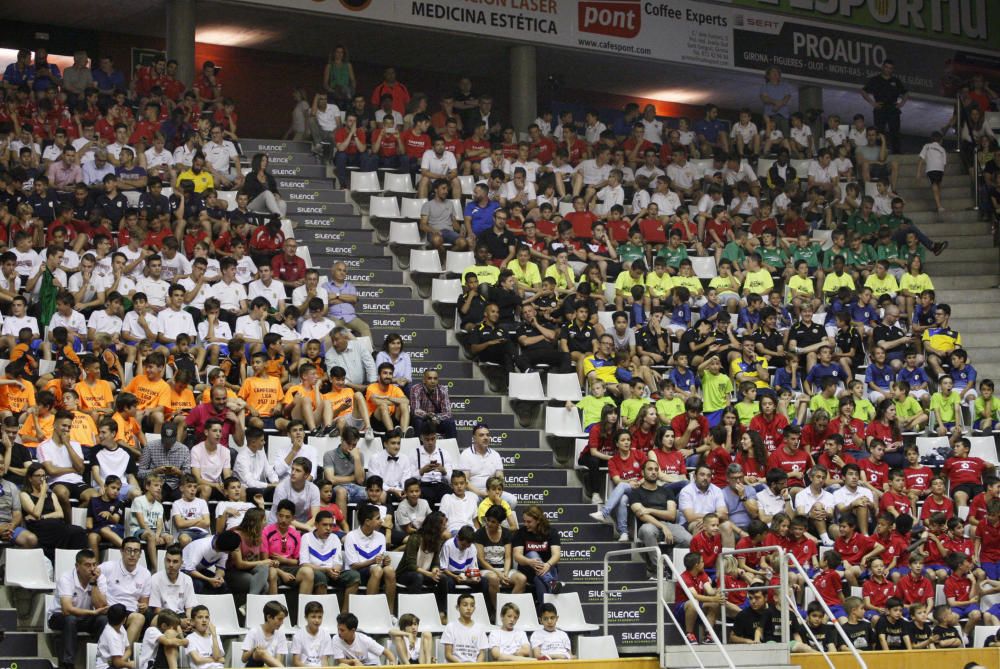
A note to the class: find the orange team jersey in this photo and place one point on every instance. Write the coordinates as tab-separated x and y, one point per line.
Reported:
110	361
206	395
83	429
15	398
70	354
375	389
97	396
320	366
263	395
128	429
150	393
337	398
299	389
27	431
275	366
183	401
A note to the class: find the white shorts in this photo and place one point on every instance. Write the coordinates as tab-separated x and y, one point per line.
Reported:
919	394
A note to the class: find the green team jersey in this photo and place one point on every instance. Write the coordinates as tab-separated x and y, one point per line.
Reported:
920	252
832	405
630	408
863	256
866	227
591	407
673	256
945	406
810	254
668	409
908	408
893	222
746	411
734	253
629	252
888	252
774	257
863	410
715	388
992	411
829	255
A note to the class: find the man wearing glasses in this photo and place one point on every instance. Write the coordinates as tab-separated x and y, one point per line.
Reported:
431	405
223	160
126	582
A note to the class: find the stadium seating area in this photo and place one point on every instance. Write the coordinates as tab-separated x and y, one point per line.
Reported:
718	335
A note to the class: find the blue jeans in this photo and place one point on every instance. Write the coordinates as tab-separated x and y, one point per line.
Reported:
539	585
356	494
900	235
366	162
618	504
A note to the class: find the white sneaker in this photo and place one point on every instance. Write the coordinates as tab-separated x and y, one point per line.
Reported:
369	434
623	538
596	499
601	518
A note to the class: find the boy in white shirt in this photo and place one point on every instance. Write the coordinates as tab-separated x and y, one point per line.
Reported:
745	135
213	332
352	647
460	507
550	643
113	648
265	646
229	514
253	326
311	646
459	562
364	552
611	194
146	520
508	644
190	513
933	159
204	649
161	641
321	549
464	640
205	559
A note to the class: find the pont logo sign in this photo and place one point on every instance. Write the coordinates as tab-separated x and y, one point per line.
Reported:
615	18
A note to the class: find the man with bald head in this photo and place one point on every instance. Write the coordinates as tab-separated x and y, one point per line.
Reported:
342	296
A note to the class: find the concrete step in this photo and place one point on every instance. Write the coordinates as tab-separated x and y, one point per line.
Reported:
921	218
769	655
970	302
986	280
411	337
334	233
394	305
980	340
969	242
916	192
290	184
290	159
312	202
368	250
308	171
969	324
980	253
19	644
942	267
925	202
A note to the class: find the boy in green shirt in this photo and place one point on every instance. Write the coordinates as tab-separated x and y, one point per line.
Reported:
860	258
946	408
839	248
633	249
888	250
987	408
669	405
864	223
735	253
863	409
748	407
592	404
910	414
805	249
674	251
634	400
772	257
716	388
827	399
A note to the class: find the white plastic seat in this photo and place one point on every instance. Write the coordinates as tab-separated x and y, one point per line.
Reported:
818	319
450	449
166	191
764	166
677	557
27	568
230	197
526	387
481	614
365	182
824	238
132	197
372	612
992	119
597	648
571	618
410	207
423	606
524	601
222	610
78	516
255	611
578	448
929	445
369	448
455	262
606	320
330	610
446	291
468	183
702	165
704	267
47	367
395	557
383	207
302	251
397	183
48	603
871	188
65	561
457	206
405	233
980	634
563	387
609	292
565	208
91	660
425	262
801	166
562	422
985	448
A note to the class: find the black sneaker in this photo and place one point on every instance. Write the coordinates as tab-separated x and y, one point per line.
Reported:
939	248
410	432
556	587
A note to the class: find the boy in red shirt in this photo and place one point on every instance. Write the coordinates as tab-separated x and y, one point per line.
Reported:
877	590
895	501
625	471
855	548
918	476
965	473
718	457
874	471
977	507
802	546
937	501
933	547
913	587
987	541
708	542
895	542
695	578
962	592
830	585
955	541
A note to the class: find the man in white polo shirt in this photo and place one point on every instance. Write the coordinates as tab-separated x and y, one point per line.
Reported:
153	285
173	320
816	503
698	498
172	589
438	164
73	609
223	160
126	582
592	173
480	462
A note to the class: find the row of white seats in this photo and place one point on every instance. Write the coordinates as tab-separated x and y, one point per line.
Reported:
368	182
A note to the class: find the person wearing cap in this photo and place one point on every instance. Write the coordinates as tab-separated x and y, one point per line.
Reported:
168	458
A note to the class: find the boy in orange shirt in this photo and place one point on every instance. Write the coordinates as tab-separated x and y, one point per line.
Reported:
181	396
152	392
40	420
16	395
386	402
304	402
262	392
96	395
130	434
349	406
83	430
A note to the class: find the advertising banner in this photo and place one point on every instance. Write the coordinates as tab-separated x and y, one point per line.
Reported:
974	23
721	34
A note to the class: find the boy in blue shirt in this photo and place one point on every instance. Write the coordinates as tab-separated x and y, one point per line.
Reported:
916	377
823	369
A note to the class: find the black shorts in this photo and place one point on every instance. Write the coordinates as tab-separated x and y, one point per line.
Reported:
935	176
878	171
75	489
970	489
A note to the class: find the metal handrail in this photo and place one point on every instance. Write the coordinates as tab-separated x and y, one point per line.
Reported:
701	615
805	626
660	640
819	598
782	584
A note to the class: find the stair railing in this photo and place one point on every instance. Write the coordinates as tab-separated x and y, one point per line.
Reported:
791	560
781	587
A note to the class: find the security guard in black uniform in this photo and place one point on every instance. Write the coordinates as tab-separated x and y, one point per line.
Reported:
538	344
490	342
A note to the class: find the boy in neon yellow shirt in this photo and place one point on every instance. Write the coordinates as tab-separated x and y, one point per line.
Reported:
909	412
748	407
946	408
669	405
716	388
634	400
592	404
987	408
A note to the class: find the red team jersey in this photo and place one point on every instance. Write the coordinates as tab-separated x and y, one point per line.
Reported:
961	471
830	587
918	478
855	548
989	538
799	461
876	474
709	547
695	583
877	592
932	505
914	588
